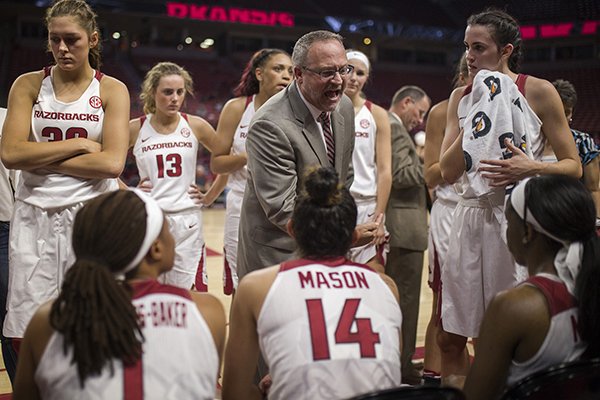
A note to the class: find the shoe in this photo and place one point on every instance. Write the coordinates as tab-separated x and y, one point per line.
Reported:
431	378
412	377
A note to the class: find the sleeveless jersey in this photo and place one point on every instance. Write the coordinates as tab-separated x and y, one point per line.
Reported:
363	157
54	120
169	162
329	330
179	361
237	179
562	342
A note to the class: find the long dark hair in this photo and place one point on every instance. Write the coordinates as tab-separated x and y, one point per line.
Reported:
565	208
504	30
93	311
249	85
324	217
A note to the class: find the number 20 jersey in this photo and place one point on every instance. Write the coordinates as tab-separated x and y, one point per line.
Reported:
54	120
329	330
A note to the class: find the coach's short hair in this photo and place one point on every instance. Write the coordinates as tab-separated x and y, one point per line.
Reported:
303	44
414	92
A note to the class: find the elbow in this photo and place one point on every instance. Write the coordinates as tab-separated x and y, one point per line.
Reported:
215	166
9	160
114	169
449	175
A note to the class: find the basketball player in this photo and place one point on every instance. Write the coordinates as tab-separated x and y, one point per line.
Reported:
327	327
66	128
268	72
371	160
440	220
551	230
105	339
165	145
480	264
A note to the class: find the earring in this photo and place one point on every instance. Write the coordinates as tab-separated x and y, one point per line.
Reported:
524	240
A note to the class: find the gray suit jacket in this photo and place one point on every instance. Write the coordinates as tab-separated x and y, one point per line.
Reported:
406	215
283	142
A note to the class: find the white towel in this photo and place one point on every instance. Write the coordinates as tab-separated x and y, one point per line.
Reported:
493	110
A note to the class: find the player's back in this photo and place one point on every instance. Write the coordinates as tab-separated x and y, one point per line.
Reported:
179	359
329	329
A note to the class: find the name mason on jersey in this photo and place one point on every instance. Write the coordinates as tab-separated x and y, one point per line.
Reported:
163	313
333	280
66	116
169	145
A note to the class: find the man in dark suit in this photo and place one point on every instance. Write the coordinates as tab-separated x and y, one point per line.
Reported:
287	137
406	218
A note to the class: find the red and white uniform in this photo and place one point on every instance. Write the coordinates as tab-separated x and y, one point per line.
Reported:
364	186
563	342
329	330
480	264
179	361
168	161
46	203
440	222
236	185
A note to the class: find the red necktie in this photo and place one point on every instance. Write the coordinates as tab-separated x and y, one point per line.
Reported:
328	135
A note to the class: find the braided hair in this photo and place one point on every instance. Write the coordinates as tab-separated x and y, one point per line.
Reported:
93	311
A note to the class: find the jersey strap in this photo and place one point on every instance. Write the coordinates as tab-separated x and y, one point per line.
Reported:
558	297
521	79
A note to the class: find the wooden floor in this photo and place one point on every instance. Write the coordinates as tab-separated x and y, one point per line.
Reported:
213	233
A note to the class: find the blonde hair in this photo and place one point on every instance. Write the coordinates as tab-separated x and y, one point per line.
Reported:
153	77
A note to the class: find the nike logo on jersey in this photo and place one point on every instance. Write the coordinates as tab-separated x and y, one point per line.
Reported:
243	126
192	225
144	139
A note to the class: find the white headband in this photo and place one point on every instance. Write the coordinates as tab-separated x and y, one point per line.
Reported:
353	54
154	224
568	259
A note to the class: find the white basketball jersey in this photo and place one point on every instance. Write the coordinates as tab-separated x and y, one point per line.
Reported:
329	330
563	342
363	156
447	193
179	360
168	161
237	179
53	120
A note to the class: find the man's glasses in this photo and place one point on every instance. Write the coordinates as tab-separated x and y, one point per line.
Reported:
327	74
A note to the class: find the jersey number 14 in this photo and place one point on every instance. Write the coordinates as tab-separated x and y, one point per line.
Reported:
362	334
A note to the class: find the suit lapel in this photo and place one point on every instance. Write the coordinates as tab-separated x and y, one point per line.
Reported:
310	130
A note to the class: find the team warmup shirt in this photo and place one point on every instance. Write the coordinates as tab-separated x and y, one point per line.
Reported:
329	330
179	360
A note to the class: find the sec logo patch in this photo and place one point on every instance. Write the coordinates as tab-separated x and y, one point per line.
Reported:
95	102
185	132
364	123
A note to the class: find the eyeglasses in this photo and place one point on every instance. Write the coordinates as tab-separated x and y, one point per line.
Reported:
330	73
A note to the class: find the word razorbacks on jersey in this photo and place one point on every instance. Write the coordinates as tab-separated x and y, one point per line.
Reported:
170	145
163	313
333	279
66	116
